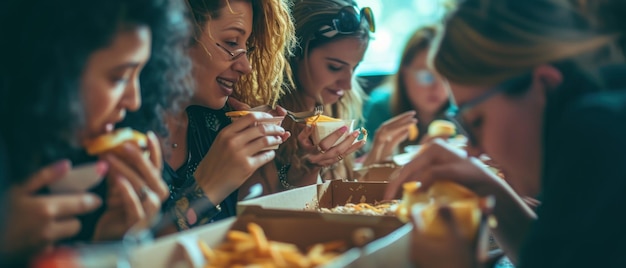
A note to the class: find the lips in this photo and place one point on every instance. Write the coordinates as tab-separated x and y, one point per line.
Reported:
226	85
337	92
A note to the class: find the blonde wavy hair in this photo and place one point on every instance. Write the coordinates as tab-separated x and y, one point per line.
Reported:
309	16
273	37
489	41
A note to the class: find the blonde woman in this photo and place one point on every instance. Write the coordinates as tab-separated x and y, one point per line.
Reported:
239	51
525	101
333	36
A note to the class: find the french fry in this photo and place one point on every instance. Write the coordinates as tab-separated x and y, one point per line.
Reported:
208	253
259	238
254	250
238	236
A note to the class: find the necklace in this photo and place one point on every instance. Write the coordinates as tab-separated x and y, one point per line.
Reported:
175	132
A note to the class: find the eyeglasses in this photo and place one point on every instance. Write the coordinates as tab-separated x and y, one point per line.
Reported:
455	114
236	54
423	77
348	21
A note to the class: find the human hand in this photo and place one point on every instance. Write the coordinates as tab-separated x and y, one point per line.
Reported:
35	222
325	154
440	160
388	136
136	189
236	153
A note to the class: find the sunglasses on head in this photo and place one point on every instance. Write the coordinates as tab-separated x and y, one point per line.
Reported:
348	21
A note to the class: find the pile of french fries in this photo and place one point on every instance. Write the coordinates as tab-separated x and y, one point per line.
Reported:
387	208
252	249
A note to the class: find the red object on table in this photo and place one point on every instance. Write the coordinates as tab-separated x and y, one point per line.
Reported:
58	258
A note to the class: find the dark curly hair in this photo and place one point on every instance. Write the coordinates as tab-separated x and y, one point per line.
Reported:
43	52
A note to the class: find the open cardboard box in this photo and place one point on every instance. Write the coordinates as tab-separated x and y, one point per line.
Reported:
377	172
307	200
180	250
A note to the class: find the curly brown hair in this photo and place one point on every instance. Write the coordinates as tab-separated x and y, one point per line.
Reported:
273	37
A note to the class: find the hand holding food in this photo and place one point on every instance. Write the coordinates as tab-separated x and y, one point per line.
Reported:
390	134
326	140
42	219
438	159
276	120
136	188
238	150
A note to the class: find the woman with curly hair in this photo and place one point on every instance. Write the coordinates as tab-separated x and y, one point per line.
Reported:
67	76
239	57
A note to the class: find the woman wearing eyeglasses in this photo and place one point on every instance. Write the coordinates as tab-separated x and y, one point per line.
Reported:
238	54
414	93
526	102
333	36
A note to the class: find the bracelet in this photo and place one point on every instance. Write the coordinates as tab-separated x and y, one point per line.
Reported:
282	177
193	208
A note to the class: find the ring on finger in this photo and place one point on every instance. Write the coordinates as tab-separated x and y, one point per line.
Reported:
143	192
340	157
319	149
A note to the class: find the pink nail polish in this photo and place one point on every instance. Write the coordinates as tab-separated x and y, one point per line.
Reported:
102	168
343	129
62	166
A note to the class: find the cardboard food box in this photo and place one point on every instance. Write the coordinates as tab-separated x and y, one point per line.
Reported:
377	172
182	250
307	200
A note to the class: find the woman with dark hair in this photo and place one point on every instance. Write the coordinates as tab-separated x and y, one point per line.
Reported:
68	75
525	100
414	92
238	55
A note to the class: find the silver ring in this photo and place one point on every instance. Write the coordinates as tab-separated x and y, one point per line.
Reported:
340	157
143	192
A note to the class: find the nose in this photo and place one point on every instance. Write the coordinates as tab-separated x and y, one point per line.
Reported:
132	96
242	65
345	82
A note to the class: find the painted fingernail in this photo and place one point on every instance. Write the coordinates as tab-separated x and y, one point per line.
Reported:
356	134
91	201
343	129
102	167
151	135
62	166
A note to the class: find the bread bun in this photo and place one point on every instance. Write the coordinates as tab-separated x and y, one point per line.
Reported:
464	204
441	128
413	132
113	140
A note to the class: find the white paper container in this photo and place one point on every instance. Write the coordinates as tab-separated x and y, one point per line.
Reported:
322	130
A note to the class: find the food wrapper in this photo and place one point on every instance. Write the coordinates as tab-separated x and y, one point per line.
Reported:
276	120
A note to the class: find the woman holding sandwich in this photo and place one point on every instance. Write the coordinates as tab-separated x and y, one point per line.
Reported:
68	75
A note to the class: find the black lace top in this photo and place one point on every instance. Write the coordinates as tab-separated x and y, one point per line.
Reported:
187	205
